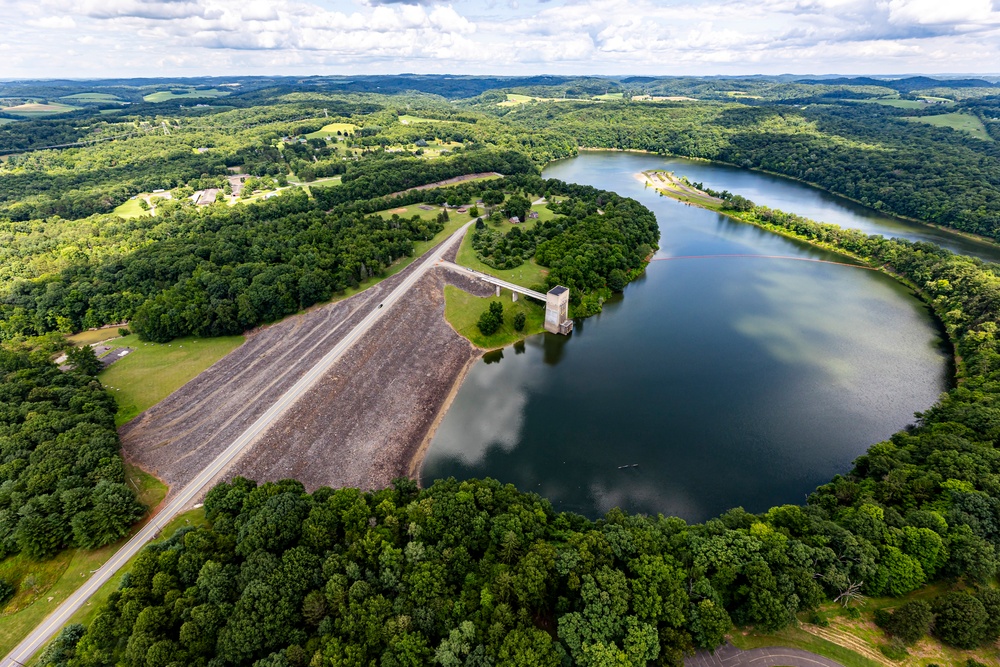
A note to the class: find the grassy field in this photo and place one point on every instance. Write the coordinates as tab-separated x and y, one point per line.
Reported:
164	95
415	210
44	585
95	336
956	120
410	120
92	97
462	310
528	274
331	130
610	96
131	209
34	110
154	370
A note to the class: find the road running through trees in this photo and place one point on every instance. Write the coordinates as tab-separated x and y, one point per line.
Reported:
23	652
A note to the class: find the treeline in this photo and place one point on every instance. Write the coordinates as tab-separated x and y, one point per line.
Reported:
62	481
387	174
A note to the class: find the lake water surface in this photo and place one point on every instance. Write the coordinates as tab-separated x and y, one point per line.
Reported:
714	382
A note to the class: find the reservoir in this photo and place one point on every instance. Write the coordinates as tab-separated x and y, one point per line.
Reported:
715	382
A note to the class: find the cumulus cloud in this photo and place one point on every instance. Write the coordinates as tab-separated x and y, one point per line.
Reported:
579	36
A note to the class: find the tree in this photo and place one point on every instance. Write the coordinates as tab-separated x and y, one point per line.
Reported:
517	207
491	319
910	621
960	620
519	321
84	360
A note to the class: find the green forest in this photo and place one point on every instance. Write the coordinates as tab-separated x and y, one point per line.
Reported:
471	572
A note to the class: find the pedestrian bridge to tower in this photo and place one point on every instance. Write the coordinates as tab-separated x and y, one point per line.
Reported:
556	301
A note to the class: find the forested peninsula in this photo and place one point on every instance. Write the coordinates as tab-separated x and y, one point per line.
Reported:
469	572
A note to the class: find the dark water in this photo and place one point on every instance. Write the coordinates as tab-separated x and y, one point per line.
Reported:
719	382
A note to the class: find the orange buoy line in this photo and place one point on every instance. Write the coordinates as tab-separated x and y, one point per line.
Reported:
797	259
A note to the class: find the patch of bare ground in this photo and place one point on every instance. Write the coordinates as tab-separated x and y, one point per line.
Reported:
360	425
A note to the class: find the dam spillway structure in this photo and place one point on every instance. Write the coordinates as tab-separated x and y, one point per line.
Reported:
557	311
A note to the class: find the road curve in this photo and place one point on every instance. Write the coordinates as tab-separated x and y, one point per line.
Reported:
774	656
61	615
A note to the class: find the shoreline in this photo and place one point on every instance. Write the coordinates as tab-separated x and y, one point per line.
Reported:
969	236
957	364
416	465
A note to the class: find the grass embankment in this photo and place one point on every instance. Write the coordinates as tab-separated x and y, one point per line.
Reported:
462	310
855	642
43	585
957	120
86	614
153	371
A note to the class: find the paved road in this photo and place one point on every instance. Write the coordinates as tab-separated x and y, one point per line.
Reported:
730	656
491	279
54	621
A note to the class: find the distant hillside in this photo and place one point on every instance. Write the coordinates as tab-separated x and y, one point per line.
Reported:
906	85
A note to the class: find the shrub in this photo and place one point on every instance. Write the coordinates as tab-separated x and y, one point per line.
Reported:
519	321
6	592
910	621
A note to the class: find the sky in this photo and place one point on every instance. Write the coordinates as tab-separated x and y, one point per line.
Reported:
158	38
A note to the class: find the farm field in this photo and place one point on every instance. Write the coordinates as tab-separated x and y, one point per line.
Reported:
36	110
42	585
957	120
331	130
462	310
92	97
154	370
165	95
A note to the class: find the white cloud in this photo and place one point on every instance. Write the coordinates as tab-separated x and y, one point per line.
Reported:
499	36
54	22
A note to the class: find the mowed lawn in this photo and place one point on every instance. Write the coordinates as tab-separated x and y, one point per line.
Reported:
527	275
415	210
462	310
131	209
43	585
155	370
963	122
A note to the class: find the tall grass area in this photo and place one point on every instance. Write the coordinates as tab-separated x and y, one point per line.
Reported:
462	310
155	370
43	585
